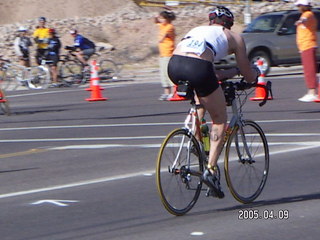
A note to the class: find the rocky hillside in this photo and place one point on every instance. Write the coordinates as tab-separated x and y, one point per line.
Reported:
121	23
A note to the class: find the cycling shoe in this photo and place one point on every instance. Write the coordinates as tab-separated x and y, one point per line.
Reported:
213	183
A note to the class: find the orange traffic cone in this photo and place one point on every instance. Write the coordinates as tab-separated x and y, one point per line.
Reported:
260	92
95	87
94	75
2	97
176	97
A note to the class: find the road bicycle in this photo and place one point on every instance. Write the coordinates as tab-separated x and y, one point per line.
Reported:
182	158
14	75
73	72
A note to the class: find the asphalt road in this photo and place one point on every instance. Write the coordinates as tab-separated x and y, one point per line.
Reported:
71	169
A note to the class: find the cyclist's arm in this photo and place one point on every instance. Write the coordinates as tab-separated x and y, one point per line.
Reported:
238	47
17	47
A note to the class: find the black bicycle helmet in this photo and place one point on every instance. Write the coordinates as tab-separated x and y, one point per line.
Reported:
221	15
42	19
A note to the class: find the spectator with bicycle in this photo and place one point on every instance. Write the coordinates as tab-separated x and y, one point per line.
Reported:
193	60
52	54
21	46
41	37
83	47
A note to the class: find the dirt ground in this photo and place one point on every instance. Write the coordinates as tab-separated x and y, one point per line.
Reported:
135	41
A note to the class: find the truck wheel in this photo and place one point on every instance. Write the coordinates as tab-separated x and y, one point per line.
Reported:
261	55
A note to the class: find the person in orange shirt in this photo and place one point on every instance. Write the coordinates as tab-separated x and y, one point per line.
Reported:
307	45
166	47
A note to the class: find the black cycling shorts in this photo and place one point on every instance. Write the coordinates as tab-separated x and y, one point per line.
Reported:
198	72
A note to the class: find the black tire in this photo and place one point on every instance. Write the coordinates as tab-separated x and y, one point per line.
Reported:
4	103
71	73
264	56
7	79
108	70
246	176
179	187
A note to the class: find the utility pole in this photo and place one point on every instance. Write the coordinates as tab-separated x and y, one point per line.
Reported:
247	13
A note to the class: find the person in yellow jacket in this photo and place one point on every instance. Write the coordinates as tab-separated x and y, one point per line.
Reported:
41	37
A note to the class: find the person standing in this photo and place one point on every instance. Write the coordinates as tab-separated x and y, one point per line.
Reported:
307	45
166	47
21	46
53	53
41	37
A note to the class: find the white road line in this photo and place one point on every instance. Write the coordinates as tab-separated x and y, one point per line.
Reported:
78	139
117	177
133	138
77	184
107	179
140	124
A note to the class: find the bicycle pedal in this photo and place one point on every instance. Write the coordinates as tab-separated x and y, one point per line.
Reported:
210	193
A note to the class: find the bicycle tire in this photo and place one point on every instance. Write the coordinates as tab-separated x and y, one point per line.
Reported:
71	73
179	188
4	103
108	70
246	176
7	79
38	77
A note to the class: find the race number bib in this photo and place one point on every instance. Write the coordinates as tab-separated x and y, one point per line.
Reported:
193	45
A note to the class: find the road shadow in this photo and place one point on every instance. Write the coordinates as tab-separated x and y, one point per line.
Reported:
264	203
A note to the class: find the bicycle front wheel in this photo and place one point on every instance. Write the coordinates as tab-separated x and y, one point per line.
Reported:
39	77
108	70
71	73
246	162
179	171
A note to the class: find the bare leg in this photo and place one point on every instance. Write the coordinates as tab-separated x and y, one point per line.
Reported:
81	58
216	106
54	74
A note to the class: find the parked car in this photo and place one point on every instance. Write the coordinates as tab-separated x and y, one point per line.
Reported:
271	37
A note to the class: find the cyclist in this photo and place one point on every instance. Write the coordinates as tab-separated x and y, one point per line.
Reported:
52	54
41	37
192	61
21	46
85	46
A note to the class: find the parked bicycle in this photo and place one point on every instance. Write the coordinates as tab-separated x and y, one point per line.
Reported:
73	72
182	158
14	75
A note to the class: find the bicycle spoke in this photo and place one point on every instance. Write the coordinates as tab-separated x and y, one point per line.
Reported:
178	172
247	162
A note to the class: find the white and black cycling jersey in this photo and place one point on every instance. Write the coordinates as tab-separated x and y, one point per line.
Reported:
199	38
21	46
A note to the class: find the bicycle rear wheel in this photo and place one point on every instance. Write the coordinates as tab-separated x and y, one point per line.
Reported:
71	73
4	104
39	77
108	70
246	161
178	179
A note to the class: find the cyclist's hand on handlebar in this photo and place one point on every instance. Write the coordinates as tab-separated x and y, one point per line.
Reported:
70	48
257	70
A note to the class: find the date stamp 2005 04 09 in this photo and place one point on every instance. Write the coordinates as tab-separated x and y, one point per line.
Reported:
254	214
